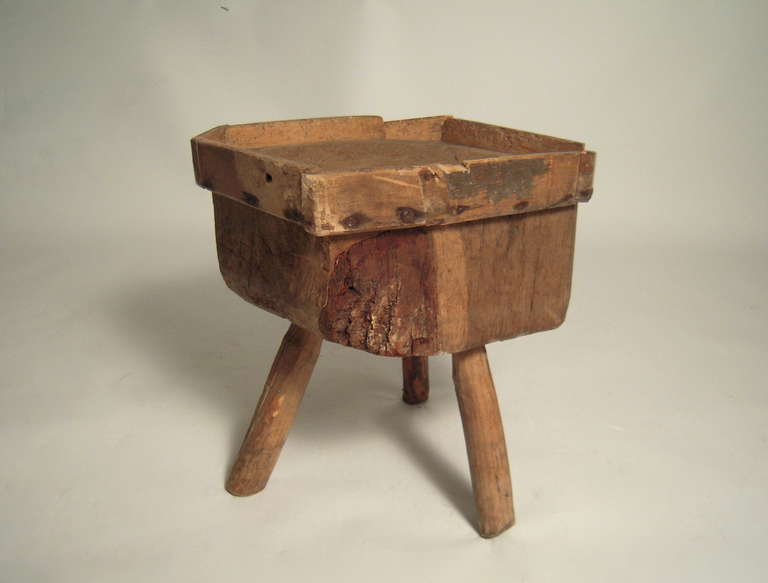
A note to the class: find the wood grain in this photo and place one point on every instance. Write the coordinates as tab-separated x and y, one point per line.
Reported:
413	292
503	277
360	174
586	176
352	155
275	412
483	135
419	128
302	131
484	437
415	379
265	182
381	296
466	189
272	263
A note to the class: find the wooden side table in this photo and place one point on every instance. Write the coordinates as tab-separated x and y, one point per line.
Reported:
402	238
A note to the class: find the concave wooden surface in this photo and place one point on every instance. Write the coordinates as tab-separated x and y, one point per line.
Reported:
376	153
361	174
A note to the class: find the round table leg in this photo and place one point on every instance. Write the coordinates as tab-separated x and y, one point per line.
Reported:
275	412
484	436
415	379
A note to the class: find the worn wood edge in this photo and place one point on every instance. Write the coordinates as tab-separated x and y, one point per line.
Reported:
503	139
302	194
244	138
398	191
204	138
268	183
416	128
299	131
538	182
452	349
304	314
418	195
584	183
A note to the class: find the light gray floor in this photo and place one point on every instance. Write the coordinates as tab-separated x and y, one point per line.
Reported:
637	432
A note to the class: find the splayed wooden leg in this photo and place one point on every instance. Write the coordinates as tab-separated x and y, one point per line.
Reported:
275	412
484	436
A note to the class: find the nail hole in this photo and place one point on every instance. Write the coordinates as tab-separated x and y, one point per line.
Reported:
268	176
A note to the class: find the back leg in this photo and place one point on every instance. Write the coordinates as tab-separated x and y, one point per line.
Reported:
415	379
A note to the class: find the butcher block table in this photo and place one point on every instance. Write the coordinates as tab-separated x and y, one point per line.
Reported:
403	238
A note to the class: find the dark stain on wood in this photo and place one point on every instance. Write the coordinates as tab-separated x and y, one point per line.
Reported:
215	167
294	214
251	199
381	296
457	210
584	195
522	205
426	174
355	220
415	379
408	215
498	180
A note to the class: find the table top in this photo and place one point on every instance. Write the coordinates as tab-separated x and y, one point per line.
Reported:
356	174
376	154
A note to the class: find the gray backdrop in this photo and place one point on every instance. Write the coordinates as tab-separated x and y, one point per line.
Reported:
637	432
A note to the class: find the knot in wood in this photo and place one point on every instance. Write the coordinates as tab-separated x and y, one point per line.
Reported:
354	220
457	210
250	199
407	214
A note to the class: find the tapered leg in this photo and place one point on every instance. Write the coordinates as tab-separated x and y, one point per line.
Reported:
275	412
484	435
415	379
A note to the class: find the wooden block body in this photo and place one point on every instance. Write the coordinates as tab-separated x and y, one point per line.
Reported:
404	238
404	292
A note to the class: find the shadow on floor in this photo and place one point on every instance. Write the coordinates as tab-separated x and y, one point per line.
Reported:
219	348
